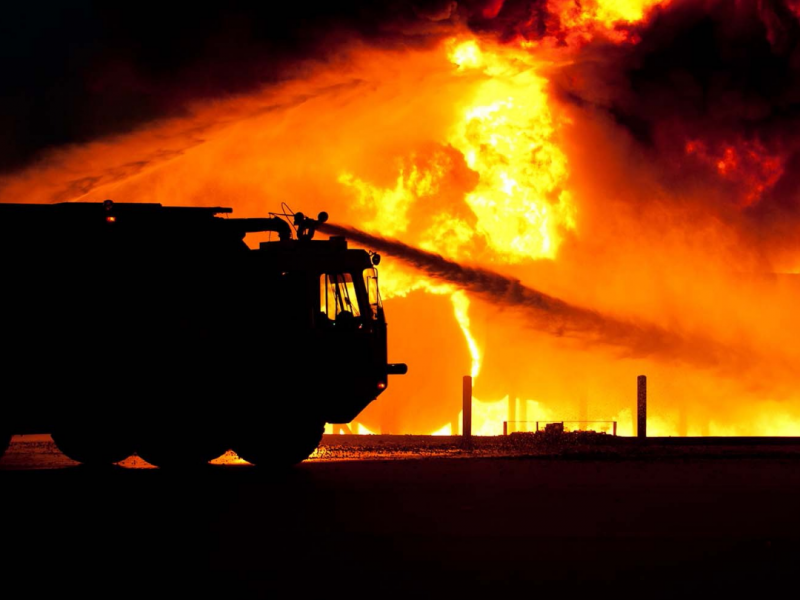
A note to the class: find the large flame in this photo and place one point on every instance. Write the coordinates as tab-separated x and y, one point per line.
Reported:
506	134
599	246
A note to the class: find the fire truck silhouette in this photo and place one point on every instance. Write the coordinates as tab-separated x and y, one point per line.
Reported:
156	330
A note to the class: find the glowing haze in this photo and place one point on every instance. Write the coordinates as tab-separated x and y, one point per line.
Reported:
568	195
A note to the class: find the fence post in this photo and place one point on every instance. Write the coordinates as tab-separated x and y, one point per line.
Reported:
641	406
467	407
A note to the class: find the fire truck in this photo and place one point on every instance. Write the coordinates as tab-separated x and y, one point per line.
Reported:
156	330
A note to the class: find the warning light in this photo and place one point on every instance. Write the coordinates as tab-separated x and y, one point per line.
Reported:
111	219
381	386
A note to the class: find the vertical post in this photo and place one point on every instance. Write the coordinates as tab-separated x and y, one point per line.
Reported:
505	427
615	428
467	407
641	407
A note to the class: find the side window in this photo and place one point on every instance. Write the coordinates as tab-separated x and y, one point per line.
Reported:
371	281
338	299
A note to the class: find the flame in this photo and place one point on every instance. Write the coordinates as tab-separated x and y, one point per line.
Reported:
474	147
607	13
461	310
582	21
507	135
391	206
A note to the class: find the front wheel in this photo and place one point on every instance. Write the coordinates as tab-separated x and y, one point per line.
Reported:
292	445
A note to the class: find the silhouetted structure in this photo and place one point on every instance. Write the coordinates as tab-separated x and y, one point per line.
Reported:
641	406
156	329
466	401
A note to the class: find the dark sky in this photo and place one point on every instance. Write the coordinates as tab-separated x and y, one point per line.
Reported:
74	71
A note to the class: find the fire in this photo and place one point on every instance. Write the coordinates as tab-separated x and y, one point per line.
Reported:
571	151
391	206
581	21
603	12
461	309
467	55
507	135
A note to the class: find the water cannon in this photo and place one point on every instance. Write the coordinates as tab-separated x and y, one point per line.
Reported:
306	226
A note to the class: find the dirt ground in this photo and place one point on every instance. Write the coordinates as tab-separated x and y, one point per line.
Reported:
426	520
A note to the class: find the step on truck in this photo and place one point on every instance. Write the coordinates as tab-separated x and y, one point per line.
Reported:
156	330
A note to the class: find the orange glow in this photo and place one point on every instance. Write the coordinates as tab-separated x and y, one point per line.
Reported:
229	458
747	163
446	430
469	148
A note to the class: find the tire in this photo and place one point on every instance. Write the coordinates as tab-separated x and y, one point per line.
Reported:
176	451
94	447
280	450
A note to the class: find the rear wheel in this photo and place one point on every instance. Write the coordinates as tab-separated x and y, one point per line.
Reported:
295	443
94	447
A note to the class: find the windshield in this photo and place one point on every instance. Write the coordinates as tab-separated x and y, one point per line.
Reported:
338	298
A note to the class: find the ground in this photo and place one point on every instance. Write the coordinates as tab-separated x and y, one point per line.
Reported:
414	524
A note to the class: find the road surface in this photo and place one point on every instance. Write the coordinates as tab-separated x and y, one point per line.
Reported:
431	526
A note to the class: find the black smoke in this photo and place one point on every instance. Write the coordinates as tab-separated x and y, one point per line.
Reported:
718	75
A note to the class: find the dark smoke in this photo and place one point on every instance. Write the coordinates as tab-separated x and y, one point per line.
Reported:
718	74
549	314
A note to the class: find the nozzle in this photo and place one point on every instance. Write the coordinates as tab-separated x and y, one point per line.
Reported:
396	369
